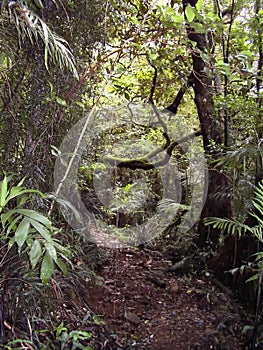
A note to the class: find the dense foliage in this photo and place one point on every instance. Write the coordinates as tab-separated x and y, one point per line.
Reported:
196	65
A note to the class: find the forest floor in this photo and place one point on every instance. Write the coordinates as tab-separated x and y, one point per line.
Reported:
146	307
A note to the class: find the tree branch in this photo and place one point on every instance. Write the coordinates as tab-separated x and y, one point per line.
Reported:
143	162
153	81
174	106
160	121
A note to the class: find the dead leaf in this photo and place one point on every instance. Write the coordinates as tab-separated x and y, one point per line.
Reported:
174	287
132	317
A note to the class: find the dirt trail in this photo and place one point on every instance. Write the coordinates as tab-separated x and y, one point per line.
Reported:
146	307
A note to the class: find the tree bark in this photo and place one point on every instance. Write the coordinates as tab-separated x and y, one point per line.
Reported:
213	134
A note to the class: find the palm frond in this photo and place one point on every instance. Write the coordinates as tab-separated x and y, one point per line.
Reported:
231	226
30	26
222	193
236	157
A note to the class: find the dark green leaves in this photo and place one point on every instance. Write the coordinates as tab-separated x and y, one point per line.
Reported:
35	253
47	268
32	231
21	233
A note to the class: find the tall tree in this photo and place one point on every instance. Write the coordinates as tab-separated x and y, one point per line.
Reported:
213	132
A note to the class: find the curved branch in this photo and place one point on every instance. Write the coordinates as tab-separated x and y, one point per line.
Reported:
143	162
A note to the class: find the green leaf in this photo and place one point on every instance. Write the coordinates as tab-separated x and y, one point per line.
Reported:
153	55
22	233
253	278
32	214
61	102
20	183
98	320
62	266
3	193
15	192
7	216
199	5
80	104
47	268
76	335
51	250
62	250
66	204
190	13
45	38
209	73
19	191
222	67
11	242
198	27
12	225
247	328
248	55
205	57
19	342
41	229
61	328
178	19
171	14
134	20
35	253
